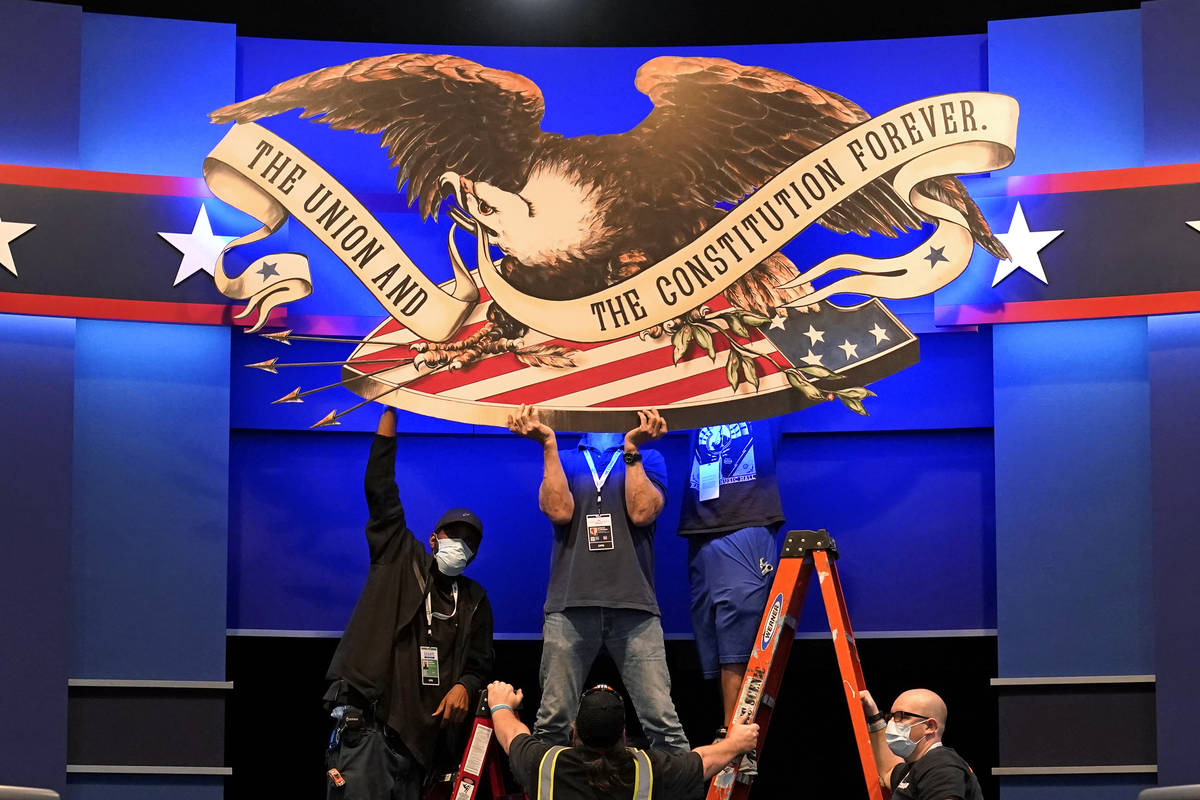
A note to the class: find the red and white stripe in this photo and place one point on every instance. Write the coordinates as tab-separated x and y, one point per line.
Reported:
627	373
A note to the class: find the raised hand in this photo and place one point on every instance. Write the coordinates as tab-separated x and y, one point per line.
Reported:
526	423
652	427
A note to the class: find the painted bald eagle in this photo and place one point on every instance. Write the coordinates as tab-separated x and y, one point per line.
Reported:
575	215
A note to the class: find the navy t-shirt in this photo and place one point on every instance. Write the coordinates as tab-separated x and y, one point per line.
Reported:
622	577
749	494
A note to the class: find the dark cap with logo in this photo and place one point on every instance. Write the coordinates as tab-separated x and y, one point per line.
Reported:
601	718
466	517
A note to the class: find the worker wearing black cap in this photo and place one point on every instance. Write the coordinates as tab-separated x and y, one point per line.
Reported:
598	765
416	651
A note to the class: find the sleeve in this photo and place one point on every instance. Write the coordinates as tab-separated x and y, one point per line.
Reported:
480	655
943	782
677	774
383	499
656	470
525	756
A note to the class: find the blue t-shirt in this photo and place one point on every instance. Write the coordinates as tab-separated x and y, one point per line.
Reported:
622	577
749	487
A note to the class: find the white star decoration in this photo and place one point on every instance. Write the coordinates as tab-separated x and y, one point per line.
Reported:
200	248
8	232
778	321
1195	225
812	359
851	350
814	335
879	333
1023	244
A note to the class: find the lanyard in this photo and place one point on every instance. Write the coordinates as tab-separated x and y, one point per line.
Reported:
430	613
596	477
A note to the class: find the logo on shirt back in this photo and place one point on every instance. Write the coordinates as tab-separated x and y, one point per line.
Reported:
732	447
772	622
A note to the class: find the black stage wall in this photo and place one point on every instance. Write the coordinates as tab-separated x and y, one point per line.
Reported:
275	725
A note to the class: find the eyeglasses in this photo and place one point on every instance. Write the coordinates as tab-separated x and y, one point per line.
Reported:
602	687
899	716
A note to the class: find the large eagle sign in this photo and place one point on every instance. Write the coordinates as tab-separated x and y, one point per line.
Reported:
575	220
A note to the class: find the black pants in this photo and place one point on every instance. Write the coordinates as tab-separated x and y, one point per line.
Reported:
372	761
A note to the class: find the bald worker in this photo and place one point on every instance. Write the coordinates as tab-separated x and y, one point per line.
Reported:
909	754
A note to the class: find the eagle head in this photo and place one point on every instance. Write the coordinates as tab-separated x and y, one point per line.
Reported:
558	216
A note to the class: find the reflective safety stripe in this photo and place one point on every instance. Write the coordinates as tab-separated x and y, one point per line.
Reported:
643	776
545	790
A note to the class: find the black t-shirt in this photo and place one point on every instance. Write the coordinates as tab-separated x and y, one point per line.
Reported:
743	454
940	774
410	692
677	776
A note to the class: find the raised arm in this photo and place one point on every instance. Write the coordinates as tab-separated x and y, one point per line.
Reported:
554	494
504	701
885	759
740	739
643	500
383	497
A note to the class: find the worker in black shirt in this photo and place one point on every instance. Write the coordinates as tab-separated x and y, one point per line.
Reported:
599	766
909	754
416	651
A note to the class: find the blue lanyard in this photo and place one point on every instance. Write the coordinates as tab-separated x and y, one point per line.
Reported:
597	478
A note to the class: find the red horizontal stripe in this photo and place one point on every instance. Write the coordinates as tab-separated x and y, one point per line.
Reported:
139	310
1083	308
1055	183
684	388
124	182
1101	180
580	379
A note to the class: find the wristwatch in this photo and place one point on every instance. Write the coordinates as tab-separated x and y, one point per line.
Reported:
633	458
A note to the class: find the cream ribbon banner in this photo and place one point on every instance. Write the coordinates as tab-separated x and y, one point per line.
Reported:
954	134
263	176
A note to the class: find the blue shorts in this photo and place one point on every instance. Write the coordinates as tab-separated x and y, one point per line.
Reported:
731	576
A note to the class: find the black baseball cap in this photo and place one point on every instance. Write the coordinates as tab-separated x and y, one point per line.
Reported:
601	718
466	517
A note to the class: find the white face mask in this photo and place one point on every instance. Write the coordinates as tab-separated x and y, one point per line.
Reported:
452	556
897	738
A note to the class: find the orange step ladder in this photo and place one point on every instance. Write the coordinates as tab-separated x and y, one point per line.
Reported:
804	552
480	766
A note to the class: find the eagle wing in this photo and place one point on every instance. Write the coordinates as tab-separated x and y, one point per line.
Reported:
726	129
437	113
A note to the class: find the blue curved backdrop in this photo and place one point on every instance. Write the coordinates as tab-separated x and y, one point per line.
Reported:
1038	478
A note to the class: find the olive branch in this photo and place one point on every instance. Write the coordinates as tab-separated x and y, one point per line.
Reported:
700	327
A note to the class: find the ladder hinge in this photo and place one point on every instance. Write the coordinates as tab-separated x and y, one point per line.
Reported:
798	544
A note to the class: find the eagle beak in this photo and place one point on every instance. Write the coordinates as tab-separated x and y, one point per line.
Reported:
457	185
454	184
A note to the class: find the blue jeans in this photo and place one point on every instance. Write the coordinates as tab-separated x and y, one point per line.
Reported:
571	641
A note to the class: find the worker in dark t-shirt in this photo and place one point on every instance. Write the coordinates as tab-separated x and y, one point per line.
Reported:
598	765
730	513
909	754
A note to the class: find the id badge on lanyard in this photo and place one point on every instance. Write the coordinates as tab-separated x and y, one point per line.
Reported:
599	530
430	670
709	480
429	666
599	526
